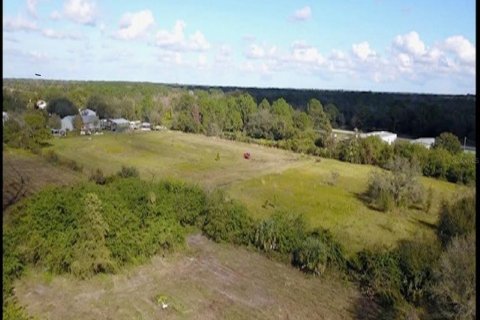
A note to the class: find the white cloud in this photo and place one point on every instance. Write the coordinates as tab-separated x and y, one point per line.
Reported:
224	55
410	43
464	49
363	51
171	57
50	33
32	7
80	11
256	51
55	15
302	14
135	25
301	52
18	23
175	40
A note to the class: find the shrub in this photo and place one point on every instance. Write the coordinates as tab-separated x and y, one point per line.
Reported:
128	172
456	219
416	262
318	251
90	253
52	157
398	188
282	232
98	177
380	275
227	221
454	291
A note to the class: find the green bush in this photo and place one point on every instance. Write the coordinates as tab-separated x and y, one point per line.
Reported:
128	172
457	218
98	177
454	292
318	251
282	232
417	261
380	275
227	221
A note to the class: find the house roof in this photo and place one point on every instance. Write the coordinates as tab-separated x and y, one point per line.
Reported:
87	112
382	134
428	141
89	119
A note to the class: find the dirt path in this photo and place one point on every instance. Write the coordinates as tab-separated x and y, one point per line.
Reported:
209	281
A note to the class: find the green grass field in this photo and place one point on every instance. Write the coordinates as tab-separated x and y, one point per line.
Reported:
271	179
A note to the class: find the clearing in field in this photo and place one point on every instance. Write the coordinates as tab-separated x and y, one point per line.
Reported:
327	192
209	281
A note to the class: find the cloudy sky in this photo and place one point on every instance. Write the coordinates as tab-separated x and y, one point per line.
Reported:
378	45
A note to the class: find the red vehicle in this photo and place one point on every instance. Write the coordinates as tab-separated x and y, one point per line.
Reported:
246	155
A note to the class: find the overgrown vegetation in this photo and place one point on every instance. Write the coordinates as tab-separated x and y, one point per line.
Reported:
398	187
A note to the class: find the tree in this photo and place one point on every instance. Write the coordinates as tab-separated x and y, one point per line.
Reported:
91	254
399	187
77	122
333	114
62	106
454	292
35	128
449	142
54	121
264	105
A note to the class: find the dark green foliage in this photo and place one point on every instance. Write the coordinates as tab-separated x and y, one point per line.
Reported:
128	172
62	106
417	261
54	122
380	275
399	187
227	221
28	131
454	292
90	253
98	177
457	218
449	142
282	232
318	251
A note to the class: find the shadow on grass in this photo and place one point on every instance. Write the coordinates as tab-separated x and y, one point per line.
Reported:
366	201
365	308
429	225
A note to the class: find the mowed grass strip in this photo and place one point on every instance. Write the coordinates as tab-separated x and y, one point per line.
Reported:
272	179
174	154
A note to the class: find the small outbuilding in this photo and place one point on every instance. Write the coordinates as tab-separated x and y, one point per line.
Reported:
119	124
426	142
386	136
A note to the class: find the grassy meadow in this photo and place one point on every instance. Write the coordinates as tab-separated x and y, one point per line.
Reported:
327	192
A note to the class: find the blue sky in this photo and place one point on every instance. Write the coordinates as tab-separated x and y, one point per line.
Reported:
378	45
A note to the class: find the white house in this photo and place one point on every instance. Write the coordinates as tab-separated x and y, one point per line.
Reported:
386	136
426	142
67	124
134	125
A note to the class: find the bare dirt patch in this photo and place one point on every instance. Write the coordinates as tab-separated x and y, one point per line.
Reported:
208	281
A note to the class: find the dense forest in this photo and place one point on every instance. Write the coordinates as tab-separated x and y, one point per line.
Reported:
407	114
